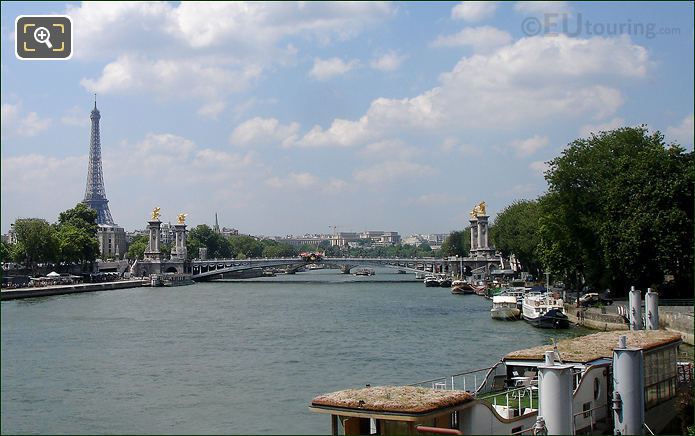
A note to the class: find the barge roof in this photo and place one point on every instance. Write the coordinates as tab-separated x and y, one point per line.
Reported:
393	399
598	345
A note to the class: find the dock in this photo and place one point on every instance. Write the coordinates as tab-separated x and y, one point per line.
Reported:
16	294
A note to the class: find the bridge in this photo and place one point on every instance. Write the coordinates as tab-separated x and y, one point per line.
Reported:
209	269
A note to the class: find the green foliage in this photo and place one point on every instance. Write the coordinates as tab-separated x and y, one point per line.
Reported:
276	249
76	232
75	244
619	211
36	242
5	251
246	245
458	243
203	236
516	231
82	217
137	247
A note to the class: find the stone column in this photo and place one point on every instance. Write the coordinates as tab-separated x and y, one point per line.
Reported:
180	246
153	252
482	232
474	236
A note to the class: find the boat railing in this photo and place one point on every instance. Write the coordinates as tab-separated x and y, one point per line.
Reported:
521	399
470	381
589	413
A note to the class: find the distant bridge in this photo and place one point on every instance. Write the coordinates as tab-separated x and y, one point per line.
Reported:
208	269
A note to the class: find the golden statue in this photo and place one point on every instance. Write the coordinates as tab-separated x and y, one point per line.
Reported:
155	214
479	209
182	218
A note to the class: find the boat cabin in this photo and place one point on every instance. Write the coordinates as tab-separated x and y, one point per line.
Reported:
392	410
504	398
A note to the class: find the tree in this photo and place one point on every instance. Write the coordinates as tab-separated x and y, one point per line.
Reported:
458	243
5	251
516	232
76	234
36	242
619	211
82	217
203	236
137	247
75	245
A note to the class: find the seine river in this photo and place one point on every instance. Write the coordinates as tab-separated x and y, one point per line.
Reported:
235	357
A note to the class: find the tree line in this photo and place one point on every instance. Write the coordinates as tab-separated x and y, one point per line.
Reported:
71	240
618	212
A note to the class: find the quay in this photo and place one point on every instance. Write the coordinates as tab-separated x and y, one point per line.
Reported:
678	319
16	294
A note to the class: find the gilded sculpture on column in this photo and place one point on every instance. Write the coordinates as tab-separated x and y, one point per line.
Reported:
155	213
182	218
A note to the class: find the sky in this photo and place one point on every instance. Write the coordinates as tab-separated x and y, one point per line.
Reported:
291	118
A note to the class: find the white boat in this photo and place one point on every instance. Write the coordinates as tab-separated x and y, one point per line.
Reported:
544	311
504	307
431	281
504	398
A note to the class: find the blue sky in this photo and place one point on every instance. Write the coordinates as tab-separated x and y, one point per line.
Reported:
286	118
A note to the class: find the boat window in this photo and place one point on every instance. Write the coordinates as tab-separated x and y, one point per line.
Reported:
659	376
597	388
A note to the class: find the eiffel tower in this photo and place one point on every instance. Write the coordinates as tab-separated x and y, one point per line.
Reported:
95	194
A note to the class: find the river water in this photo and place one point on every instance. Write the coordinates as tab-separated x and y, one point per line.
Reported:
235	357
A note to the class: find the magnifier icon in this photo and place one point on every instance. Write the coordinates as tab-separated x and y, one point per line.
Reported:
43	36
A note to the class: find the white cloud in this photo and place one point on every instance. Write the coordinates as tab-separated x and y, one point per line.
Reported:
390	61
343	133
15	123
542	7
325	69
394	149
528	146
75	116
391	170
185	51
682	133
434	199
481	39
208	80
246	29
303	180
473	10
259	131
586	130
212	109
539	167
528	83
35	173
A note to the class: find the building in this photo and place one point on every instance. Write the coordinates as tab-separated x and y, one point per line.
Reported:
227	232
110	235
377	237
298	241
11	236
112	241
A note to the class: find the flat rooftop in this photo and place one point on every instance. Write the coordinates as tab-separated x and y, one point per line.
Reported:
392	399
598	345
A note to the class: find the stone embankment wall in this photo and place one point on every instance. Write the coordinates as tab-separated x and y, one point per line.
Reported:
16	294
678	319
673	318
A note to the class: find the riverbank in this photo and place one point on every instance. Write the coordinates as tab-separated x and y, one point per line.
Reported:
16	294
677	319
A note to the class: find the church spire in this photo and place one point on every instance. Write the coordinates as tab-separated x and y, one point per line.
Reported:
217	225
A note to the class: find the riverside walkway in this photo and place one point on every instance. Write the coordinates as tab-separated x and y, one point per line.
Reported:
15	294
